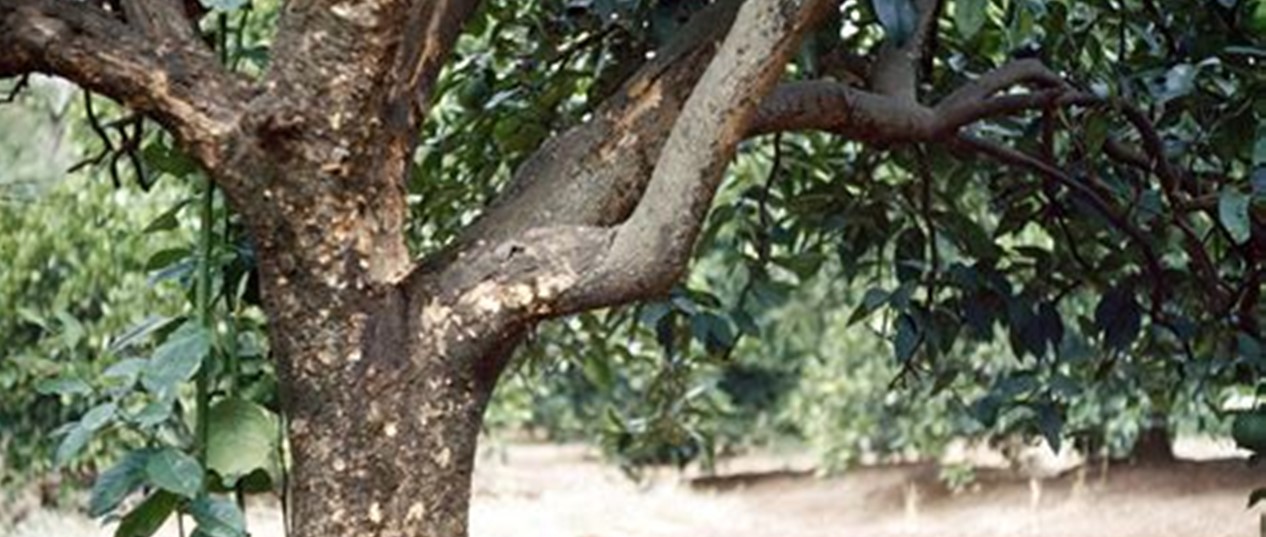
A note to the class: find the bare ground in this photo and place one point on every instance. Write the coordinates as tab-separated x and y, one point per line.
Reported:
564	491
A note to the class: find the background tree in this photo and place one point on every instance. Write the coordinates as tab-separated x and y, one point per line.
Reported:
386	364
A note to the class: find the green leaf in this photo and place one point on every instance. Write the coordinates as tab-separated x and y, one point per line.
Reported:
175	472
985	410
177	359
910	254
168	220
1051	325
139	332
1179	81
745	323
1050	424
712	330
145	519
93	420
126	371
1257	20
63	386
165	258
153	413
1256	496
1233	207
1096	133
874	298
1118	317
164	159
243	438
116	483
217	517
898	17
969	16
907	339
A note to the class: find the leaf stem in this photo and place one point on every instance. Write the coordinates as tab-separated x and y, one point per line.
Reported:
202	302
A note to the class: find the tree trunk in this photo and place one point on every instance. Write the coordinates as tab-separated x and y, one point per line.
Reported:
1153	445
382	425
384	403
387	463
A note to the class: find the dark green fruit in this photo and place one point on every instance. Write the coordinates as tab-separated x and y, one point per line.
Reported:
1249	431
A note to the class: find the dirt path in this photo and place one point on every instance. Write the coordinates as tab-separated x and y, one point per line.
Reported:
562	491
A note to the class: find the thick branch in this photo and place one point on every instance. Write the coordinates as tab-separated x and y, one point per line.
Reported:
428	36
175	83
520	264
841	109
594	173
649	251
858	114
546	228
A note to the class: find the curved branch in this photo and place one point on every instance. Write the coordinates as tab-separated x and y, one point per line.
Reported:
843	110
960	114
176	84
594	173
875	117
514	270
1020	72
650	250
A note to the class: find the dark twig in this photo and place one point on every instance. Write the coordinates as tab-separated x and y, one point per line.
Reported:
131	132
20	84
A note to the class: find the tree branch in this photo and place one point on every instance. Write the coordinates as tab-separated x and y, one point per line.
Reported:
879	118
841	109
1020	72
594	173
545	229
180	87
650	250
520	264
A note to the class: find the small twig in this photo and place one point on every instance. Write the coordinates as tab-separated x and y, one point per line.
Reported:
763	204
925	177
22	83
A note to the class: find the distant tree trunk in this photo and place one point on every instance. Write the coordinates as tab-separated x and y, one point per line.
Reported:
1153	445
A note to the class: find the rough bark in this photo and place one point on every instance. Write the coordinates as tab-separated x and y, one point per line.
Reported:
383	433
